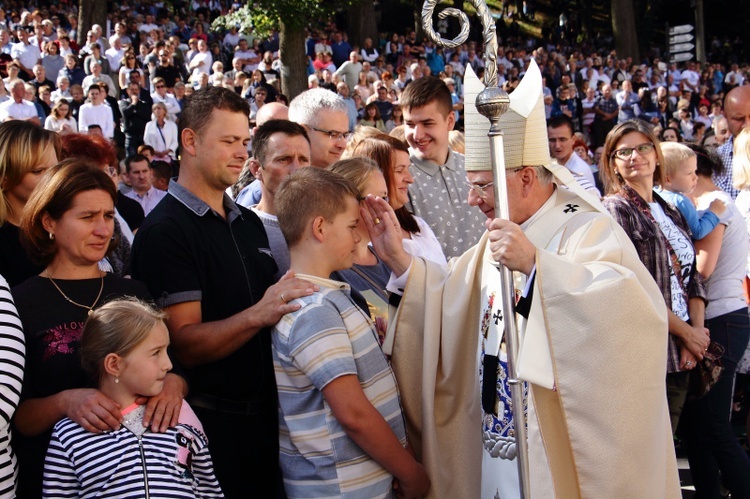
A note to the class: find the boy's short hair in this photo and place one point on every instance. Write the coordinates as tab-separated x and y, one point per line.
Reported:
675	154
309	193
424	91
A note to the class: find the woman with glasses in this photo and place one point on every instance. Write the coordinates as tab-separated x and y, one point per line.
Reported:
60	119
630	167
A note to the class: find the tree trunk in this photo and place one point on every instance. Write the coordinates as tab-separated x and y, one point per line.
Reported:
362	22
293	60
587	8
90	12
623	28
418	19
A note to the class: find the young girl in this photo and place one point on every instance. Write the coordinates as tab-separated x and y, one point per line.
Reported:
60	119
124	348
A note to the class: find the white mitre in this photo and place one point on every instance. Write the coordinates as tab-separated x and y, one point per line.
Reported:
524	128
524	125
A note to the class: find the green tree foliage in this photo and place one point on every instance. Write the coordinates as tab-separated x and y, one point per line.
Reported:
263	16
289	17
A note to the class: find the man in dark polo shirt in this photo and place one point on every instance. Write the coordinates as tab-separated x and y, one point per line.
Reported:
208	264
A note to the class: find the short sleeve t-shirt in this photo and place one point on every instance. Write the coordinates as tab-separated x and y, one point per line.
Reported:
186	252
327	338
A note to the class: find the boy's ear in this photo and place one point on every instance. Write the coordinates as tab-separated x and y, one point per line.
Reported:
113	364
318	228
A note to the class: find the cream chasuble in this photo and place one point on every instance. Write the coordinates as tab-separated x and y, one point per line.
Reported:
597	333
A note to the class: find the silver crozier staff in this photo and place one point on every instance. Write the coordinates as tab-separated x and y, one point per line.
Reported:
492	102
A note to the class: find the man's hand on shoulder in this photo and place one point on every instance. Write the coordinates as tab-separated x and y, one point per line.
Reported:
277	300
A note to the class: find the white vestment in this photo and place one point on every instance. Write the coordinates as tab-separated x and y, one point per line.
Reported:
593	352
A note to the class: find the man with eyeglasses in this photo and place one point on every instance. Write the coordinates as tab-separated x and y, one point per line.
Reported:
587	306
324	115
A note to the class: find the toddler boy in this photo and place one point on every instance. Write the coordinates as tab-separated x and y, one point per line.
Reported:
680	165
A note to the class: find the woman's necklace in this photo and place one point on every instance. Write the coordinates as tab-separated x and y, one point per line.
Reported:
91	308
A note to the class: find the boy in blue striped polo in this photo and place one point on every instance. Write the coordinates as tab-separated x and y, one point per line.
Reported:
341	426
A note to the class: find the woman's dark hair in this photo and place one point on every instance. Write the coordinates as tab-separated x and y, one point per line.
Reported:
374	106
53	196
709	163
676	131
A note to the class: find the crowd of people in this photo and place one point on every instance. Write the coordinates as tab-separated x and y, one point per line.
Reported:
189	260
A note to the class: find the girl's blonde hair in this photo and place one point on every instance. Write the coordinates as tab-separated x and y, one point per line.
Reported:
357	170
116	327
741	160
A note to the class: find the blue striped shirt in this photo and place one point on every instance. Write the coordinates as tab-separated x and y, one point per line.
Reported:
177	463
327	338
